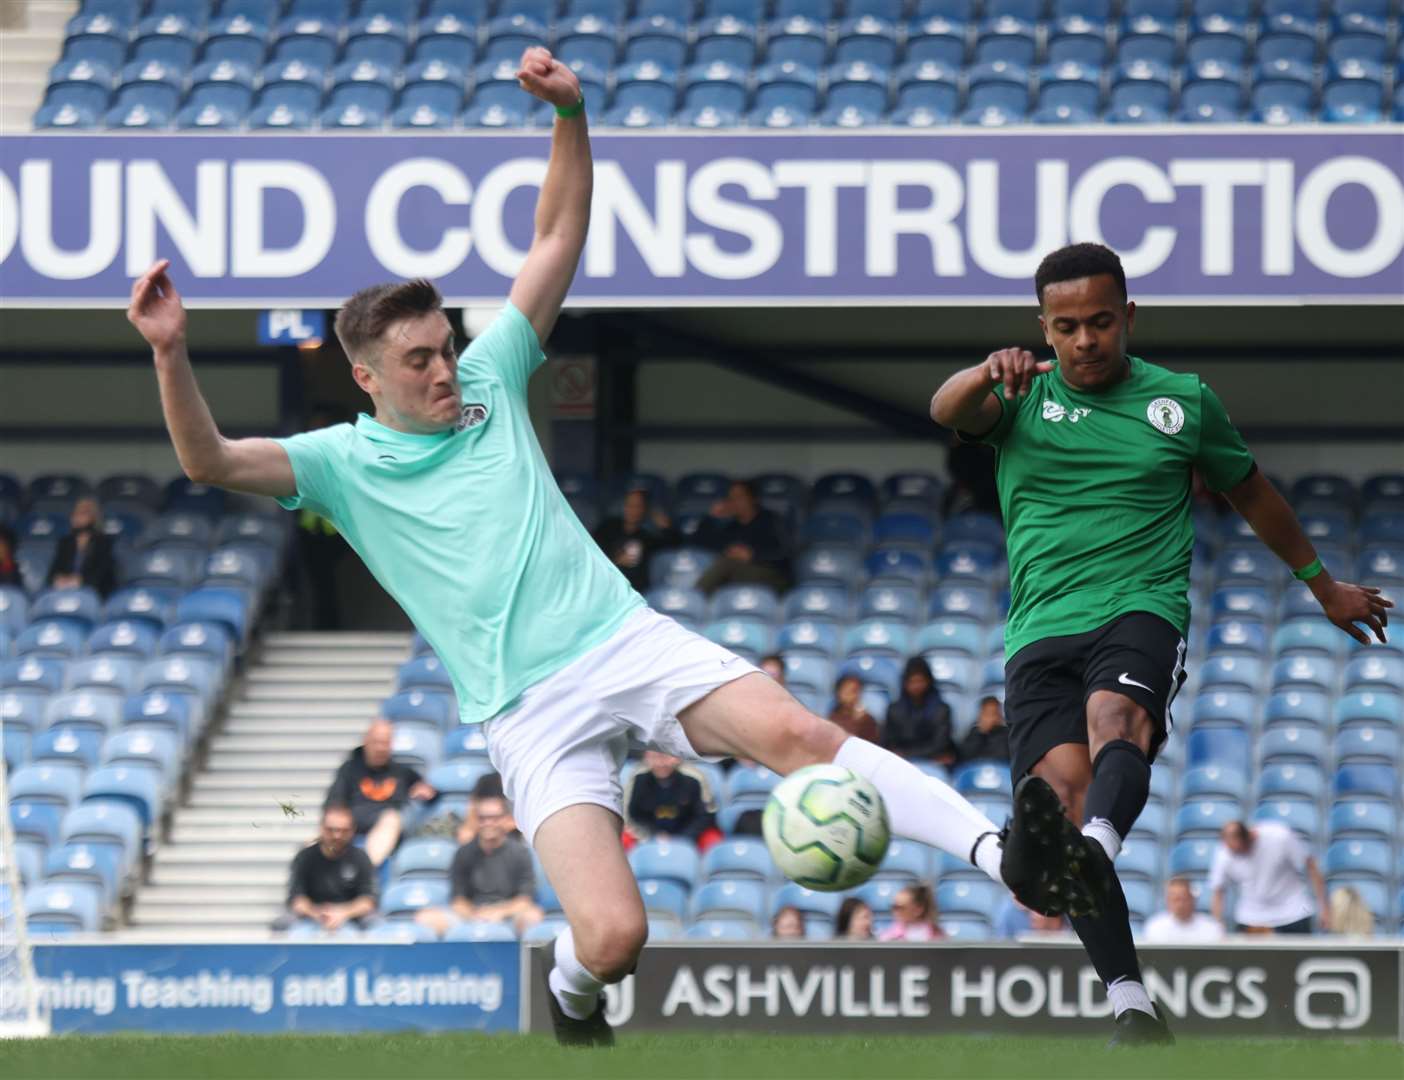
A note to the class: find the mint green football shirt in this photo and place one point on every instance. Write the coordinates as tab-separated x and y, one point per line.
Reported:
468	531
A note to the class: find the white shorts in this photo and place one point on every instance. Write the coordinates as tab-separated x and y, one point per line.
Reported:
566	738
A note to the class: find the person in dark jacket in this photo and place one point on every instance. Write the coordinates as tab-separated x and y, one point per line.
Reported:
377	789
84	556
664	801
752	542
631	539
9	563
988	740
918	723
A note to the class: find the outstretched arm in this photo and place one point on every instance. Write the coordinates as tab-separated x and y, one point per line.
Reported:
1264	508
258	466
966	400
563	208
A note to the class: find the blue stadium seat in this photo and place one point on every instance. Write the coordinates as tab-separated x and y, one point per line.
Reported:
1383	564
818	10
664	897
725	40
746	637
1283	743
679	568
891	602
133	786
404	899
14	609
79	607
381	37
1363	781
1317	637
214	105
448	39
1367	818
866	39
685	604
35	822
168	38
48	783
50	639
181	674
1353	92
587	38
63	907
1139	860
1236	637
1298	707
667	859
878	637
950	635
1231	672
1304	671
465	741
87	864
99	38
808	901
738	859
1005	39
310	41
1370	672
809	637
457	778
723	930
1368	742
23	710
423	673
112	674
1213	780
983	777
836	527
809	673
1297	814
967	897
1192	857
1360	857
150	748
35	673
786	85
15	741
151	607
416	747
359	105
508	36
429	709
237	38
123	638
110	824
199	640
938	40
1229	747
659	39
1301	780
826	565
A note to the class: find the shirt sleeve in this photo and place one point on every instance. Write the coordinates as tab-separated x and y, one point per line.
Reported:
314	470
1218	869
1008	410
297	877
460	873
1223	458
508	347
367	880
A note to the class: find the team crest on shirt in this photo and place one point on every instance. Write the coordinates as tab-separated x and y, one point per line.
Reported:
1166	415
474	413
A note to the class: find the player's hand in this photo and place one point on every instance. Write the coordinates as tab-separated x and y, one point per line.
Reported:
1345	605
1016	369
542	75
156	310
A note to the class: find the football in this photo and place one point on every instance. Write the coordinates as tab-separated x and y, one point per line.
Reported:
826	828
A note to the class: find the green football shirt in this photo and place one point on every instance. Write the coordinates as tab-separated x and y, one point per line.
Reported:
468	531
1095	492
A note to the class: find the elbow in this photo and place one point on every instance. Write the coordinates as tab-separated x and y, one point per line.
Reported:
938	411
199	472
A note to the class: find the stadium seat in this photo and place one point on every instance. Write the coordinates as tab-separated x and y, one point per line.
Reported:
50	783
1192	857
1231	672
967	897
181	674
1297	707
153	607
67	906
404	899
83	710
1359	857
1213	780
808	901
866	39
826	565
670	859
1369	707
458	778
1363	781
136	787
171	712
737	858
66	744
905	861
50	639
1294	813
1226	746
87	864
1285	743
730	899
1295	780
1374	673
1225	708
1361	817
36	822
1369	743
422	857
679	568
1304	671
465	741
427	709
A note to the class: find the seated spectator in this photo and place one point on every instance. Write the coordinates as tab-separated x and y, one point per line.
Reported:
332	881
788	923
918	723
665	800
631	539
1266	862
84	556
9	566
753	546
848	712
915	914
1179	923
489	786
988	740
774	666
492	877
854	921
378	788
1349	912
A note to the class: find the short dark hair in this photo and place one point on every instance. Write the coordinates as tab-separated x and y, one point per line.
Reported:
337	808
489	786
1079	261
366	315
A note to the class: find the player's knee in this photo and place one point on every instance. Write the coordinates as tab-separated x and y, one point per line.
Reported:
610	949
801	738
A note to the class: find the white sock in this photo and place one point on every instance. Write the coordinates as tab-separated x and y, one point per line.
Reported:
952	824
1127	994
1101	830
575	989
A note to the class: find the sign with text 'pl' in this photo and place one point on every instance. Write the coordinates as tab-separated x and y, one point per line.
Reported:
288	326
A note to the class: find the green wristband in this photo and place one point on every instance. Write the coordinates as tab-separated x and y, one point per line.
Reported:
1309	571
566	112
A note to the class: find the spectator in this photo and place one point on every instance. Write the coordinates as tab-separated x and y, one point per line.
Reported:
9	565
493	877
378	788
631	539
988	740
774	666
854	921
332	881
918	723
665	801
788	923
1179	923
752	543
914	909
1349	912
1266	862
84	556
488	786
848	712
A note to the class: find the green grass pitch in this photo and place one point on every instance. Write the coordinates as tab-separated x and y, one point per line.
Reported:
468	1057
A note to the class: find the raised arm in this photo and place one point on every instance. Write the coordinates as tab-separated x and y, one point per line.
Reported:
966	400
257	466
563	208
1264	508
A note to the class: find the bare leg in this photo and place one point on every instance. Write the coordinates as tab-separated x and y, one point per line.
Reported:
383	836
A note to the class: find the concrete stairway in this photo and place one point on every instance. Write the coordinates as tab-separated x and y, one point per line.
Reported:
303	706
31	37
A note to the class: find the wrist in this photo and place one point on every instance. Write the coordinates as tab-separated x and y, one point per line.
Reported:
576	108
1320	584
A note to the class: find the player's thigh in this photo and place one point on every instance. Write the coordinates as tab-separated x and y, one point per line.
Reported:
755	717
1044	710
580	851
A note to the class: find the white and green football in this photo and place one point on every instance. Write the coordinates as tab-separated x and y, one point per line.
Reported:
826	828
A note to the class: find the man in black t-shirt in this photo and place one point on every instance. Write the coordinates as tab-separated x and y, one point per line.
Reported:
493	878
332	882
377	789
988	740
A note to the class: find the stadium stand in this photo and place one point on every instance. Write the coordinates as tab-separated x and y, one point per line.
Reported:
370	64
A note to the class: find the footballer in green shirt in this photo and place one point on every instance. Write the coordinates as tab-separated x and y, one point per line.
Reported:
1095	452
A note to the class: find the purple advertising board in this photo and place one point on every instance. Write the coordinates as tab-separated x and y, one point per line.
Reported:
1236	215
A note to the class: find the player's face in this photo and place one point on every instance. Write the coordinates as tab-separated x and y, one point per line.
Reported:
415	383
1088	321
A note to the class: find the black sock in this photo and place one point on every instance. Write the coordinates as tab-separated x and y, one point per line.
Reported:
1119	788
1107	939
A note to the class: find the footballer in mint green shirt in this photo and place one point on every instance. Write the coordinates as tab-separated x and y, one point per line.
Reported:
466	527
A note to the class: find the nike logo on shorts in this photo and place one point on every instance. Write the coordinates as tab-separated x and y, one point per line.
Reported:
1125	679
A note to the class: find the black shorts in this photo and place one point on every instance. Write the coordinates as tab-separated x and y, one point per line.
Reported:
1047	683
